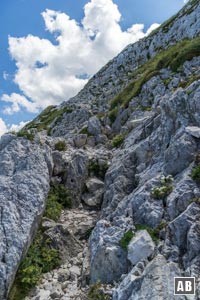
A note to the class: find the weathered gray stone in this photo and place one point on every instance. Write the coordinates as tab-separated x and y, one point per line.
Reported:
156	282
193	130
134	123
80	140
94	126
95	192
72	167
25	170
6	139
94	184
108	260
140	247
62	240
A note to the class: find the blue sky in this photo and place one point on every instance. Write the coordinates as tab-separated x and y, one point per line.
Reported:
46	57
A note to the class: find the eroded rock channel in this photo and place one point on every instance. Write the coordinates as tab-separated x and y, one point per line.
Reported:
70	235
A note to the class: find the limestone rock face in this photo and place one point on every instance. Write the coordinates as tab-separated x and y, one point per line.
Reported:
108	259
94	126
140	247
136	163
194	131
25	170
155	282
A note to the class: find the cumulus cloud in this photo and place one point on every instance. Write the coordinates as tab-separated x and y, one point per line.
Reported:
14	127
49	73
16	102
3	127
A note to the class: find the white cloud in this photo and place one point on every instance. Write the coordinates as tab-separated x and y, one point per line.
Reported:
17	101
3	127
17	127
49	73
5	75
152	28
14	127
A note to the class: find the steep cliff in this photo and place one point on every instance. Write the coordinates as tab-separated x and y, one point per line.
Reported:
127	146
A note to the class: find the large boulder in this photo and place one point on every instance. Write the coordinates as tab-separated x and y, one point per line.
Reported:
25	169
108	261
140	247
95	188
72	167
94	126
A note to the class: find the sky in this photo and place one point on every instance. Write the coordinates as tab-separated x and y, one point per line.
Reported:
50	48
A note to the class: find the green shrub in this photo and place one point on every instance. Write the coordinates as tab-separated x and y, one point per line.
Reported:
118	140
94	169
60	146
101	115
125	240
95	293
30	275
58	198
62	195
25	134
53	208
40	258
164	189
113	113
196	174
161	192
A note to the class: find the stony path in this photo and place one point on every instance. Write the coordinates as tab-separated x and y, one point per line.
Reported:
69	281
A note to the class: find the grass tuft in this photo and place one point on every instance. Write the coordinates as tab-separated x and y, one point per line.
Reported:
125	240
196	174
96	293
60	146
118	140
58	198
49	115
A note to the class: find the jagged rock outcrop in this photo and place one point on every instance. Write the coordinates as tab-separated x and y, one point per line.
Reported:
152	280
25	171
132	149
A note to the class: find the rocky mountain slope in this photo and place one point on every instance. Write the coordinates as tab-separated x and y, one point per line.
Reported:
124	154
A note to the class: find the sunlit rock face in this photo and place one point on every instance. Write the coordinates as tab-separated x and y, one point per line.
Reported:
131	154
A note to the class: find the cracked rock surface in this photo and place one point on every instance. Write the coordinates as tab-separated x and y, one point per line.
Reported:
133	175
